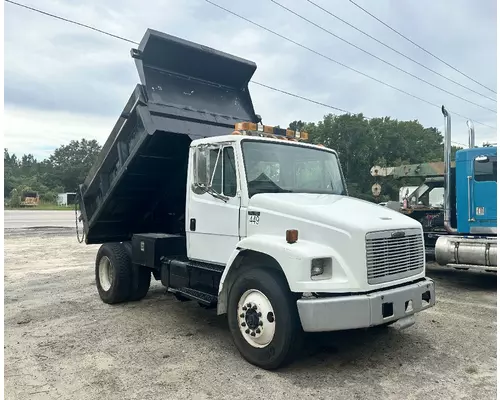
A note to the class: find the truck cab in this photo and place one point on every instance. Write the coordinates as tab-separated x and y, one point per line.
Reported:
476	190
242	217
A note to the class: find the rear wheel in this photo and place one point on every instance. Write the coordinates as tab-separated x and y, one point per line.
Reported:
263	318
112	273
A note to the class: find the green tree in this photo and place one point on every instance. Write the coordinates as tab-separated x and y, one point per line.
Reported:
69	165
11	170
353	139
62	171
14	198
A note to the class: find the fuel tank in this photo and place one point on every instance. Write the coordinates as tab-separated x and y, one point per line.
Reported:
467	252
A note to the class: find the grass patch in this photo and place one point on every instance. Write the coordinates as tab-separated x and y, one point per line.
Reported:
44	207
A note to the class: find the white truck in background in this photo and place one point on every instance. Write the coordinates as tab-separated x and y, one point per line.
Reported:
192	189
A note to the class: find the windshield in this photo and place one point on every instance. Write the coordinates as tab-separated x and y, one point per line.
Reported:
286	168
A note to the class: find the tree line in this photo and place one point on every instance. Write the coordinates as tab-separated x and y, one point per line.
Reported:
360	143
61	172
364	142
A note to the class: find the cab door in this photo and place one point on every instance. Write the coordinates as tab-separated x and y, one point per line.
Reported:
213	206
483	199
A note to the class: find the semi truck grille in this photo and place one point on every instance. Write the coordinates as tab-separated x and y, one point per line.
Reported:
392	255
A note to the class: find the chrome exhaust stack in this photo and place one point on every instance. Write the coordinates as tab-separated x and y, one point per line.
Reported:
447	172
472	134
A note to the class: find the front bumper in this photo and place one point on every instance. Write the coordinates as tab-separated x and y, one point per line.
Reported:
365	310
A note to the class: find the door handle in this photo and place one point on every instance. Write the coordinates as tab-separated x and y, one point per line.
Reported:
470	200
192	224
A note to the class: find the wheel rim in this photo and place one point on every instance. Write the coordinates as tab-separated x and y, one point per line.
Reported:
256	318
105	273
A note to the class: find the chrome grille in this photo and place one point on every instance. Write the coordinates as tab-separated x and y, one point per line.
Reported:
391	256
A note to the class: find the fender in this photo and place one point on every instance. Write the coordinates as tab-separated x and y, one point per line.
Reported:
294	260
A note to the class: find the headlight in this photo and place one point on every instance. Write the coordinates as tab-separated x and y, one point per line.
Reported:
321	268
317	267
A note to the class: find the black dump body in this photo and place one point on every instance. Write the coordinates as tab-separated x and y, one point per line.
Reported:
187	91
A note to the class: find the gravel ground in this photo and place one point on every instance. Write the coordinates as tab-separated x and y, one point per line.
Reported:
62	342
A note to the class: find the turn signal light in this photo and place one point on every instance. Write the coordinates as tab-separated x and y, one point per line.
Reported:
292	235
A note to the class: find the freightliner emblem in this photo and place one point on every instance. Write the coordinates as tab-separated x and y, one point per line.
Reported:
398	234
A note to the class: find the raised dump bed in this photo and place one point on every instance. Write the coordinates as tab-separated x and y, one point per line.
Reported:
187	91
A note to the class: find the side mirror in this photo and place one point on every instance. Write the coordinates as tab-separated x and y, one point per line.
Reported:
204	173
201	177
482	159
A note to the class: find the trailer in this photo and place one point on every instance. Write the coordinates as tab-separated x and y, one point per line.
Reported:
192	189
66	199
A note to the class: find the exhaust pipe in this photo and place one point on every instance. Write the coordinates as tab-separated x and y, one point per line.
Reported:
447	173
472	134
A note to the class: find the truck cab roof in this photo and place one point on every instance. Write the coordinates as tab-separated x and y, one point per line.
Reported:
238	138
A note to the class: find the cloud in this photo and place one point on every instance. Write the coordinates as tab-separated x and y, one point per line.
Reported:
72	83
39	132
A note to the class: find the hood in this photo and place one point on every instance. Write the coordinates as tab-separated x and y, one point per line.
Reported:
341	212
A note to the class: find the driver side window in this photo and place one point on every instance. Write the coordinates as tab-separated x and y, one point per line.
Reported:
486	171
215	167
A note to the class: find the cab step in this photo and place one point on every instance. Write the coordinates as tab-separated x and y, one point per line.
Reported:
206	266
193	294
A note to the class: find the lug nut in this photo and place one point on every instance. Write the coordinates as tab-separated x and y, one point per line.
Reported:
259	314
247	331
257	330
252	334
244	308
261	323
254	307
243	324
242	315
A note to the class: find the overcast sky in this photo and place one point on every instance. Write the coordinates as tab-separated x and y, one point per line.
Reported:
64	82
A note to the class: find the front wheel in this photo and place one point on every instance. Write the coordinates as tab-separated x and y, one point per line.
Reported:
263	318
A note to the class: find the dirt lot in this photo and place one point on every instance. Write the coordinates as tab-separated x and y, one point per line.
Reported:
62	342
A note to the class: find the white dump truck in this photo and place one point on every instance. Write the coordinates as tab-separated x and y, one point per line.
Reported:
193	190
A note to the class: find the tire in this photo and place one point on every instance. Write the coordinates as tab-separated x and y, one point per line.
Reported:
280	344
112	273
140	282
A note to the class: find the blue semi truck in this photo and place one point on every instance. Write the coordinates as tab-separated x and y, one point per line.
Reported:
470	220
462	231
